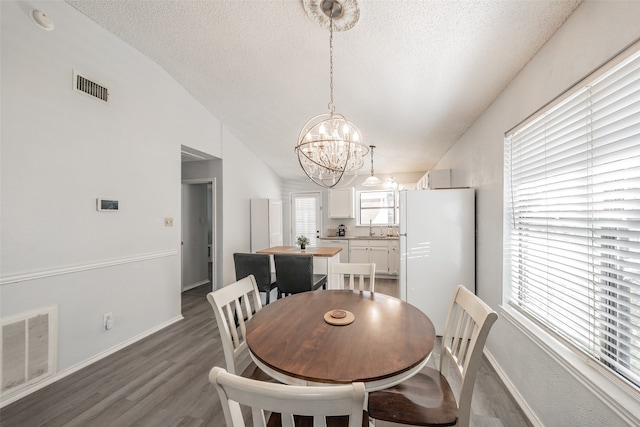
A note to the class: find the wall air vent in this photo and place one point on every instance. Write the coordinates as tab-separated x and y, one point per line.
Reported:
28	349
91	88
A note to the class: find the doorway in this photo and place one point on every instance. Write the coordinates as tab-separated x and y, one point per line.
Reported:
306	217
198	234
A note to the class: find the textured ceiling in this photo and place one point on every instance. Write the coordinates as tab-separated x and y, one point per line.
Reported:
413	75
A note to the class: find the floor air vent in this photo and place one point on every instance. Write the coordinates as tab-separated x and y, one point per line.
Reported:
28	346
91	88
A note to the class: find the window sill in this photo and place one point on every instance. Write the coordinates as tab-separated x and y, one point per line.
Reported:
622	398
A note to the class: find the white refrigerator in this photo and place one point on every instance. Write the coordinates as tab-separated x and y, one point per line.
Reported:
437	248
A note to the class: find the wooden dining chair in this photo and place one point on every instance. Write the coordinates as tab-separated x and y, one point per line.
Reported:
260	266
337	272
426	399
300	406
233	306
295	274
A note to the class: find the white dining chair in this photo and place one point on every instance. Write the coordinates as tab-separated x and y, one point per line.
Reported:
365	272
234	305
333	405
427	399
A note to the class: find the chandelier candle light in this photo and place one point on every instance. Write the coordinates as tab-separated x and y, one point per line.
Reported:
329	146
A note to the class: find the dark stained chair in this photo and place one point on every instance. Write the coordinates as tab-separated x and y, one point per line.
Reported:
295	274
260	266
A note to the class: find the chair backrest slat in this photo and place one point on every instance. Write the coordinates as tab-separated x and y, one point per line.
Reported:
233	306
287	400
336	272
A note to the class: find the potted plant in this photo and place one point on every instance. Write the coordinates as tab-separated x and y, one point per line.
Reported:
302	241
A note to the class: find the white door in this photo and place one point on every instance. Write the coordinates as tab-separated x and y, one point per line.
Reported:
305	216
275	223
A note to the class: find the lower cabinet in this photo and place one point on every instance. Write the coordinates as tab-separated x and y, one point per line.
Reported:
394	257
381	252
358	251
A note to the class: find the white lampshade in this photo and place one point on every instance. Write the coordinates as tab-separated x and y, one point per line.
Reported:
372	181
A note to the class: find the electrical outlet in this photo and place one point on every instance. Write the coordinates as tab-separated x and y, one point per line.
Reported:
168	222
107	321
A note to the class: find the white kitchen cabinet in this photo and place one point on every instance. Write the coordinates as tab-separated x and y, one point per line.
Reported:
394	257
266	223
342	203
339	243
379	253
359	251
434	179
384	253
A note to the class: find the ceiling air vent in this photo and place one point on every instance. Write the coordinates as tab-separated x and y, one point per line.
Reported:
93	89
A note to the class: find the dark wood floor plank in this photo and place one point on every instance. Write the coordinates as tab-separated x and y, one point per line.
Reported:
119	399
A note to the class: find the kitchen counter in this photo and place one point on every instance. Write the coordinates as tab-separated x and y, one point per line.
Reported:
321	251
360	238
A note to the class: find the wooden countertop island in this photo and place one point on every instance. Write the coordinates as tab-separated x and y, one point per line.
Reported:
324	251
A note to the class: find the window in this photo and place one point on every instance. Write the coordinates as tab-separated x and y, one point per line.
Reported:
378	207
305	216
572	189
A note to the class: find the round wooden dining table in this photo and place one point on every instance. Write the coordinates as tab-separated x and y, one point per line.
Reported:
388	340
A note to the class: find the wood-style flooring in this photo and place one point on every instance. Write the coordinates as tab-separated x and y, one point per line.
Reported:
162	381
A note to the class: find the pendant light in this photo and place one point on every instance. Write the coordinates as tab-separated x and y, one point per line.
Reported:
330	146
372	181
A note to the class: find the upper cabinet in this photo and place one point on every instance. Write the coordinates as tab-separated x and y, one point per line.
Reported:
439	178
342	203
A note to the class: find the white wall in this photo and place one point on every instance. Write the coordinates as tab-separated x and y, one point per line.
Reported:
240	177
593	34
61	150
245	177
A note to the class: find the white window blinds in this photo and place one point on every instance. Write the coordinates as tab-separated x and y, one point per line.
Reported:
572	188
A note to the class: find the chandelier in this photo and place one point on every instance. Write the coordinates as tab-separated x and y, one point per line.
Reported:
330	146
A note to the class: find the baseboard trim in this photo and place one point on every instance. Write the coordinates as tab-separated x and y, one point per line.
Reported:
195	285
10	398
526	409
25	277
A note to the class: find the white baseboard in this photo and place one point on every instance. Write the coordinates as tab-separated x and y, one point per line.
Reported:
528	412
59	375
195	285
